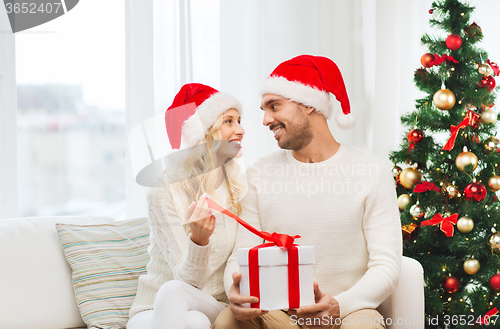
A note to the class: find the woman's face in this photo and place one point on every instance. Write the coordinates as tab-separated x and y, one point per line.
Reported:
233	132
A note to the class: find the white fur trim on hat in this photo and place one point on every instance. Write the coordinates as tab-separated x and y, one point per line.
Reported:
192	131
300	93
196	127
344	121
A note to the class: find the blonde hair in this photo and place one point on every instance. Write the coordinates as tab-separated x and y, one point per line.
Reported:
197	175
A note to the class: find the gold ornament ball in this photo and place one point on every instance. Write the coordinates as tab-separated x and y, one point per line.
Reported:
485	69
464	159
465	224
491	144
452	191
444	99
494	183
409	177
494	243
471	266
489	116
403	201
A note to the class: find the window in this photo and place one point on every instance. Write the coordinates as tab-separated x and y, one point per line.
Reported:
71	142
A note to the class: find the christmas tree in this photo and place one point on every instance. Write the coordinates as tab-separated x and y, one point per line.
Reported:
450	212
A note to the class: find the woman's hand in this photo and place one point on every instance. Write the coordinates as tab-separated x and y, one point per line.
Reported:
201	221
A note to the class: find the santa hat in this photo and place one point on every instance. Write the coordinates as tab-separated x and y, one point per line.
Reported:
309	80
193	111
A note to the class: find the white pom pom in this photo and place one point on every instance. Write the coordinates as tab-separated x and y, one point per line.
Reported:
345	121
192	131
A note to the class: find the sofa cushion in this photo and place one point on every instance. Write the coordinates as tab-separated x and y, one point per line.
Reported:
36	289
106	261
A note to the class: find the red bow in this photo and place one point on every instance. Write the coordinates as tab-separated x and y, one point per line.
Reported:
486	318
425	186
281	240
470	120
444	223
494	66
440	59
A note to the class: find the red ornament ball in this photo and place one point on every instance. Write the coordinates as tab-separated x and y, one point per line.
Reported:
488	82
426	59
451	284
495	282
415	136
431	11
453	41
475	192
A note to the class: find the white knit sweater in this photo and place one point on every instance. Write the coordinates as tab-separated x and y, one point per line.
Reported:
345	207
174	256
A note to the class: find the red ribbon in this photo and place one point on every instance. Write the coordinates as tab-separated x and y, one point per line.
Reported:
425	186
281	240
254	273
444	223
440	59
486	318
494	66
470	120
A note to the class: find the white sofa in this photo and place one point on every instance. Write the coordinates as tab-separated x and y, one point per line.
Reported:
36	289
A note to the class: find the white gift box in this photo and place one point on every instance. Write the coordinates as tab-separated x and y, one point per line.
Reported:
273	276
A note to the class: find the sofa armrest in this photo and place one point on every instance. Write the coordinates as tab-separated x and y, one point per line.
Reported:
405	307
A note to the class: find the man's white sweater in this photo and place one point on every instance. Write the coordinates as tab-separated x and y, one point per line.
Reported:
346	207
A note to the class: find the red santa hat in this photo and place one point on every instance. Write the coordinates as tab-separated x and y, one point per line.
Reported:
193	111
309	80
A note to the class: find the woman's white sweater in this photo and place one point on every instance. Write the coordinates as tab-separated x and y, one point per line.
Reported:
174	256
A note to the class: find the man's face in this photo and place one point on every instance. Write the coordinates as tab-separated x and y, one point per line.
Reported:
287	120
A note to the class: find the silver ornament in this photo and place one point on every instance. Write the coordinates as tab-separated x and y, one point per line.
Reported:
416	211
494	242
452	191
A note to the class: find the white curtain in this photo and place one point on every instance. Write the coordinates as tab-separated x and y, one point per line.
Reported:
374	43
8	129
233	45
168	43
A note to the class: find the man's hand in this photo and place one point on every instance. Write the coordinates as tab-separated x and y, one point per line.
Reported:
236	301
326	306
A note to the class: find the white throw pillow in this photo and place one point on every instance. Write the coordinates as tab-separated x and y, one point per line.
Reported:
36	289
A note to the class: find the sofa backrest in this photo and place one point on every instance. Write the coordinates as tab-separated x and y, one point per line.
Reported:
36	288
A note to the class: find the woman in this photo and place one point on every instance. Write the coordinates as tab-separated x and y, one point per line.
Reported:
183	287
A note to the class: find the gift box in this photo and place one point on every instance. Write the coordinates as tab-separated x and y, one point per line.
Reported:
281	278
279	273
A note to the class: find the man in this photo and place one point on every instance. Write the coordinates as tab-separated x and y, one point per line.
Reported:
340	199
